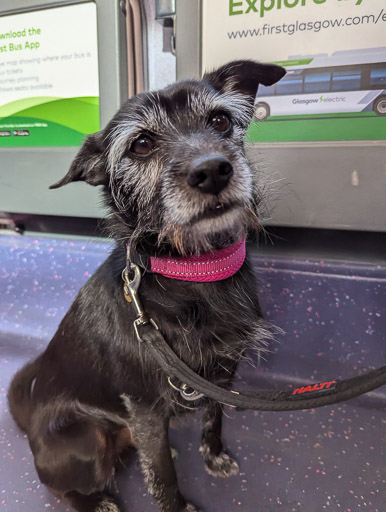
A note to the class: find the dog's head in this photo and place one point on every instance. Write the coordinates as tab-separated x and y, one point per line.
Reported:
172	162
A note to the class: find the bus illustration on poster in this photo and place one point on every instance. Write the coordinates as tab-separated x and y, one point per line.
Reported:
334	53
348	85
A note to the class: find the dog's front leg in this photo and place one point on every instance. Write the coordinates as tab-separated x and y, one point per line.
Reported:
218	462
158	469
152	442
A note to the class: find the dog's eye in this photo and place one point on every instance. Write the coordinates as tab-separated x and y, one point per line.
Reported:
142	146
220	122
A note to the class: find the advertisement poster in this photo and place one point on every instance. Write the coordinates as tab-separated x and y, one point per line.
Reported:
49	84
334	52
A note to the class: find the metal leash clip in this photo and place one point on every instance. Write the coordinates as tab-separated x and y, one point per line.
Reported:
130	290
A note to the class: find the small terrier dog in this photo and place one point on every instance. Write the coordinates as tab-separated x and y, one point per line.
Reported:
178	186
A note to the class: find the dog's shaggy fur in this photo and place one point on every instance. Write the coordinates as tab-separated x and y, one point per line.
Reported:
95	391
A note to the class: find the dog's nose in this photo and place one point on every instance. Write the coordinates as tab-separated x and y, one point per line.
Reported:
210	174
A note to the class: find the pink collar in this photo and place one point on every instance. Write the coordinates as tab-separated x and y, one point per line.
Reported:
213	266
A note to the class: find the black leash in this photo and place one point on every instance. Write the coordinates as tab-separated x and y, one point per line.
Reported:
194	386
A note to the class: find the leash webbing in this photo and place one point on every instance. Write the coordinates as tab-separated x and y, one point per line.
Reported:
306	397
260	400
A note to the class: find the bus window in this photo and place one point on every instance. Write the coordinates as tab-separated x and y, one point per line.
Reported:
317	82
266	91
290	84
378	77
346	80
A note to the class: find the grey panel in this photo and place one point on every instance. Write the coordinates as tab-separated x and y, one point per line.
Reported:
188	38
323	185
26	173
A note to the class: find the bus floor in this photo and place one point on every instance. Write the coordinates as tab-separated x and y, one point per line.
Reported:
328	459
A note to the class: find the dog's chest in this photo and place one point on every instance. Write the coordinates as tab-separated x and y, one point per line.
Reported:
207	325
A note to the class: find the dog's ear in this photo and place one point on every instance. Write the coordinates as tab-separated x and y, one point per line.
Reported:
244	76
89	165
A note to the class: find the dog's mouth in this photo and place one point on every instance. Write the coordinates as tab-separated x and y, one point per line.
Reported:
213	211
215	227
217	222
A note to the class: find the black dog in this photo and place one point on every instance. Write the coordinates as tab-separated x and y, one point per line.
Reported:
177	182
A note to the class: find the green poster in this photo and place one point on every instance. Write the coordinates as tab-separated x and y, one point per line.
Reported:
49	90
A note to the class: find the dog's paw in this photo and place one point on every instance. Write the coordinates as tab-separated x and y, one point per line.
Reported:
107	505
222	465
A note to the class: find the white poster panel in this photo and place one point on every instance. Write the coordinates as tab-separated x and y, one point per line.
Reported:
49	81
334	52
